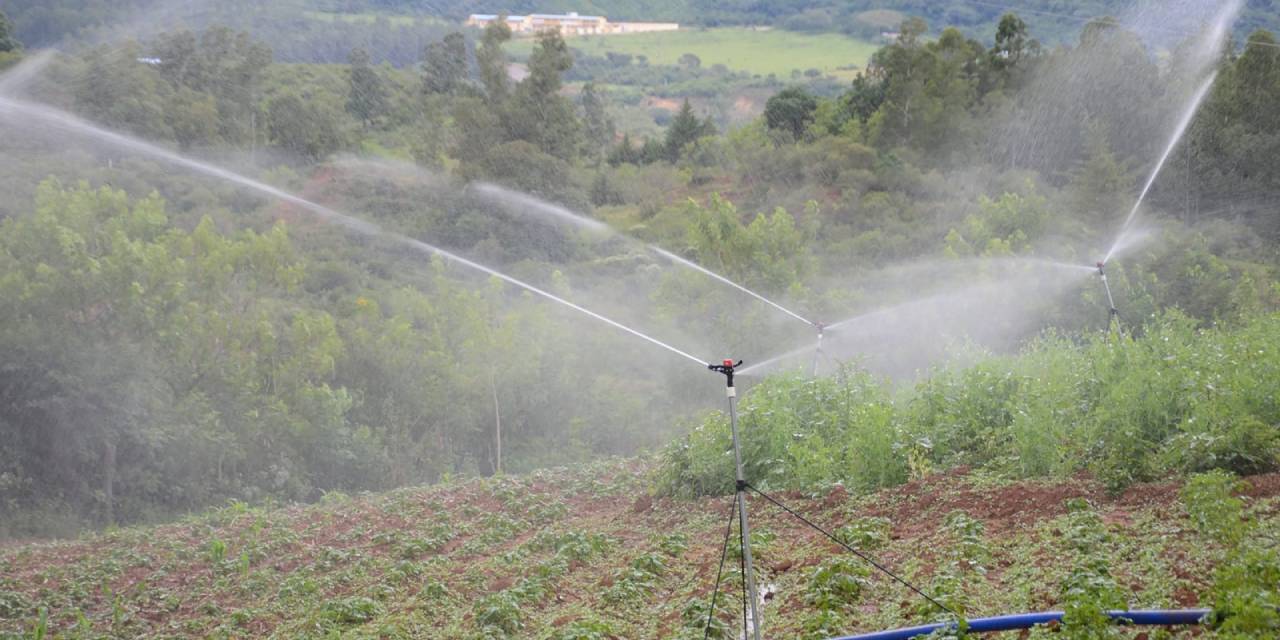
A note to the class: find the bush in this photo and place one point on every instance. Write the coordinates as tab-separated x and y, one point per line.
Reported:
1129	409
796	432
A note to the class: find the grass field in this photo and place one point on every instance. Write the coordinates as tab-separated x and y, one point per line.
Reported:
741	49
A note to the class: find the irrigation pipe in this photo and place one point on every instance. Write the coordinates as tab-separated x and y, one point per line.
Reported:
1148	617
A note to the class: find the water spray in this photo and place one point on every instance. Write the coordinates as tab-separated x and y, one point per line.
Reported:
524	203
727	368
63	121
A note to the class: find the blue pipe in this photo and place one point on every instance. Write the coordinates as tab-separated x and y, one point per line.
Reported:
1162	617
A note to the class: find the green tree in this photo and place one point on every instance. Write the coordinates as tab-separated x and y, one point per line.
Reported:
598	127
118	92
492	60
192	117
536	112
366	96
791	110
1013	45
445	65
1101	185
929	89
685	129
8	42
303	127
226	64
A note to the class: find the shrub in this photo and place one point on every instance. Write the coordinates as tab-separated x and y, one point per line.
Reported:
1128	408
795	432
355	610
836	584
1212	507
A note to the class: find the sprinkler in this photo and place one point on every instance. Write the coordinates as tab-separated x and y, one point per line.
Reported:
817	349
1113	312
727	368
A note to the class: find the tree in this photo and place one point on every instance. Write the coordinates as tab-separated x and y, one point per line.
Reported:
303	127
598	127
536	112
1100	186
684	130
445	65
689	60
8	42
1013	45
228	65
118	92
366	97
492	60
791	110
193	117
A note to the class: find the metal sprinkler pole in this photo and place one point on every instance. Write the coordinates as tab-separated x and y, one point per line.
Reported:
817	350
727	368
1112	311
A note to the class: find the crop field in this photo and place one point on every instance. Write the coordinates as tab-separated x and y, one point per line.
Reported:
589	554
756	51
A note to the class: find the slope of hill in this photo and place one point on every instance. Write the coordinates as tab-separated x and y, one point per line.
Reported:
589	554
46	22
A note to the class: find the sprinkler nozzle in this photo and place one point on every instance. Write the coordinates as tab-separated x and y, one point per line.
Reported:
726	367
820	326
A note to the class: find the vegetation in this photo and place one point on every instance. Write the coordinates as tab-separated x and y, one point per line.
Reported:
754	51
170	342
1126	409
605	568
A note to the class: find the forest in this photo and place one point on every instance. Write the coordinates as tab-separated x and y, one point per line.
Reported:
169	342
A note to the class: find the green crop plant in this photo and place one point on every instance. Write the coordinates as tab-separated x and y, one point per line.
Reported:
587	629
674	544
970	551
352	610
498	615
1088	591
1210	502
694	619
836	584
13	605
433	591
1246	601
866	534
216	551
637	580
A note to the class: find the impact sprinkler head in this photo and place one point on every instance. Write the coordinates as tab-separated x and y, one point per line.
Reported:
821	327
726	367
1100	266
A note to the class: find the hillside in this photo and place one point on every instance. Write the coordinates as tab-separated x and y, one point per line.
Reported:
587	553
304	29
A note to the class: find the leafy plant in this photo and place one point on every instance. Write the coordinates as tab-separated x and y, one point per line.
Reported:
499	612
1214	509
353	610
865	534
836	584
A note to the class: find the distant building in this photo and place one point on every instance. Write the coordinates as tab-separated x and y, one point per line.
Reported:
569	24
